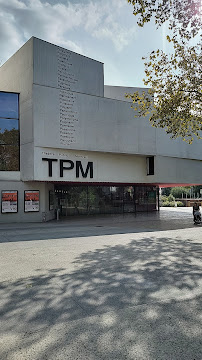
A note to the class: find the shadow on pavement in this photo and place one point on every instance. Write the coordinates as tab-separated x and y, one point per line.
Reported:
136	301
97	225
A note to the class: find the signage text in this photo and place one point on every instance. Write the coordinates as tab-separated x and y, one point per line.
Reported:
70	165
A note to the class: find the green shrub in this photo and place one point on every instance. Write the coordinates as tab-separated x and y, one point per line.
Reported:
166	203
164	198
169	203
171	198
179	190
180	203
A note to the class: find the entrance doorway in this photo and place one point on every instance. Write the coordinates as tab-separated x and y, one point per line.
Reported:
86	200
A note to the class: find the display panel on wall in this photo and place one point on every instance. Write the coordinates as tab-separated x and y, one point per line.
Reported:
31	200
9	201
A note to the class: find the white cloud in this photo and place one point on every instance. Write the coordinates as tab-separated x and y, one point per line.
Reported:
112	32
104	23
10	40
64	24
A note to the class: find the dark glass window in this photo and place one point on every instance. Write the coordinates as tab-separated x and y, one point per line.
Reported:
80	200
145	198
9	158
9	132
8	124
8	105
150	165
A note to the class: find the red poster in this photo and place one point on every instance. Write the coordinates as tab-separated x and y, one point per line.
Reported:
31	200
9	201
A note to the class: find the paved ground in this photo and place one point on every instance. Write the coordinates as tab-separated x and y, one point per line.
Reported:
119	287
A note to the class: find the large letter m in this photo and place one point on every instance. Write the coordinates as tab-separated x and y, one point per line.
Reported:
84	174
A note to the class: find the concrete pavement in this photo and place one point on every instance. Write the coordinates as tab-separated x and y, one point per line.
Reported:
110	288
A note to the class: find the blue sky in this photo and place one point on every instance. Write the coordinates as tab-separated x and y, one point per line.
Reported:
104	30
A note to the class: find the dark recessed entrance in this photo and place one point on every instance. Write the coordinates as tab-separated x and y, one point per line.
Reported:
85	200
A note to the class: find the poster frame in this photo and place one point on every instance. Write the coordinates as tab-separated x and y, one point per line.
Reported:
24	201
8	212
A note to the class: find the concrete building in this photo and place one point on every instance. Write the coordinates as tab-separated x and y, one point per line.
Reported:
69	142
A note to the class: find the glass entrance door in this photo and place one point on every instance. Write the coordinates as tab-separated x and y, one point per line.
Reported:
89	199
129	201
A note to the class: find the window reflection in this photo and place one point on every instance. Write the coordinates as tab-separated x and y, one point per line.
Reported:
145	198
8	124
8	105
9	132
78	200
9	158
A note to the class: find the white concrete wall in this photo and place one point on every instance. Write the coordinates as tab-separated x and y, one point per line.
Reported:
119	92
61	68
21	216
116	168
9	175
177	170
75	120
158	142
62	108
166	146
104	125
101	124
64	115
16	75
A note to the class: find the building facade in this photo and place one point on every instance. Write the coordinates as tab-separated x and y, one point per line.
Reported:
68	142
